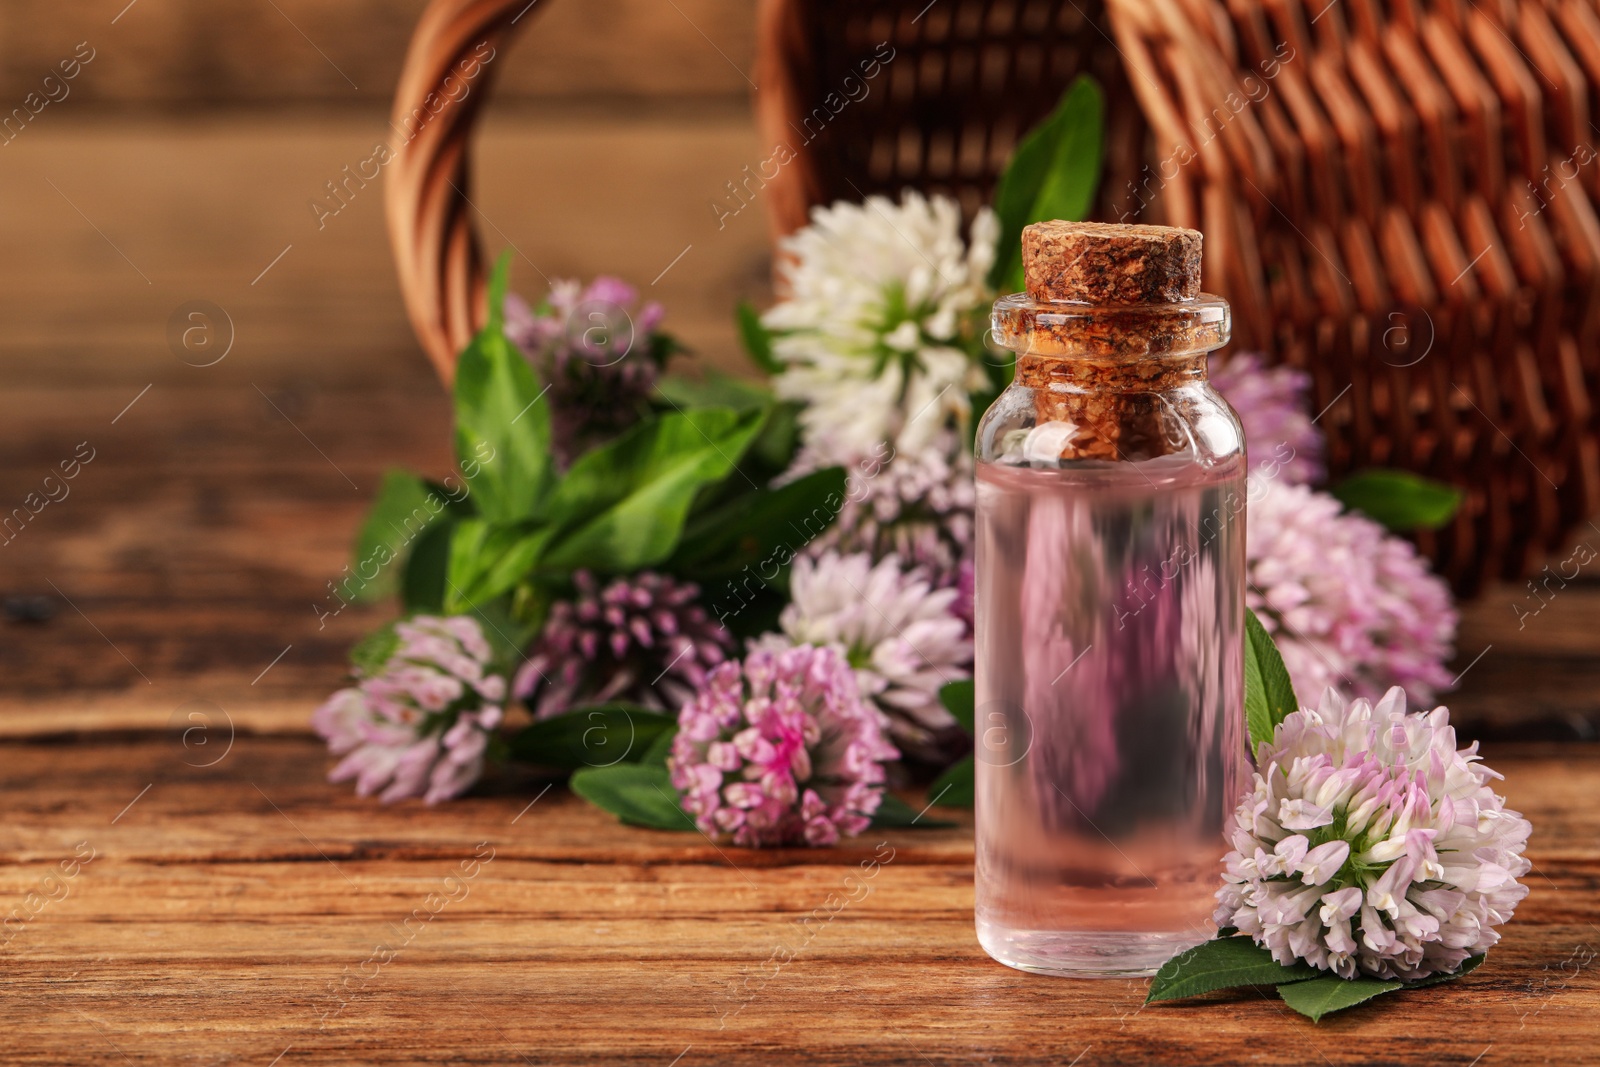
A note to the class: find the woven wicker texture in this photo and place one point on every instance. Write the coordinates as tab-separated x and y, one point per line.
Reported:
876	97
443	85
1397	197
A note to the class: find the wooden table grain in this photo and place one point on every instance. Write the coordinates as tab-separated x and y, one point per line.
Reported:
244	912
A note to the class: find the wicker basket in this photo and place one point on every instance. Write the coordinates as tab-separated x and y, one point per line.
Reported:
1397	197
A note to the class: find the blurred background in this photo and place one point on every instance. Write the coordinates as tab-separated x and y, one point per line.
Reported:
181	166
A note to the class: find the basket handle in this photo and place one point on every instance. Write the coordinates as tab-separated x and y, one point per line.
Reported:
448	71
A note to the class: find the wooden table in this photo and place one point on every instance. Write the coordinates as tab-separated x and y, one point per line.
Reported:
246	910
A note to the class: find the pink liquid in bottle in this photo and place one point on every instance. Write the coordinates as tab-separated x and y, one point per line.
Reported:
1109	742
1109	608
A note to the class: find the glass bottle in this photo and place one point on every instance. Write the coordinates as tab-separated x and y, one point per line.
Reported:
1109	608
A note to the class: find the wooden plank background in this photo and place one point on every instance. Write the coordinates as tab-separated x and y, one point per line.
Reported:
179	55
183	163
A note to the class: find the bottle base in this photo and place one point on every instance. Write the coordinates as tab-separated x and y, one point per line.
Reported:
1085	954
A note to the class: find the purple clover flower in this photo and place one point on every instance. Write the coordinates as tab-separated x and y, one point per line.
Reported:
598	352
643	640
421	724
1348	603
781	750
914	505
1271	405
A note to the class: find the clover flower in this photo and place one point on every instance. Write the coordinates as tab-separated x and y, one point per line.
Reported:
643	639
1347	603
598	352
914	505
877	326
1370	845
780	750
1271	405
419	726
964	607
901	637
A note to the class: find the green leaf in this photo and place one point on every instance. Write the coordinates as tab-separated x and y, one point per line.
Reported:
1400	500
423	584
1470	964
959	699
507	636
955	788
1320	996
502	420
763	529
601	736
778	443
1222	963
1268	694
757	338
510	553
466	548
402	510
771	454
894	813
656	755
713	390
373	651
622	506
636	794
1052	174
488	559
499	284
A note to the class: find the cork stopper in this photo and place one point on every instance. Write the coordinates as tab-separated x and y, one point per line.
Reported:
1110	263
1112	314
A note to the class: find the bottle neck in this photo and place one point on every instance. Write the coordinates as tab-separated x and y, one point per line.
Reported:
1088	373
1121	340
1096	373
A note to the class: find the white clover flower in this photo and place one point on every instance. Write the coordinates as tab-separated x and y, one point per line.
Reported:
878	303
916	505
901	637
1370	845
